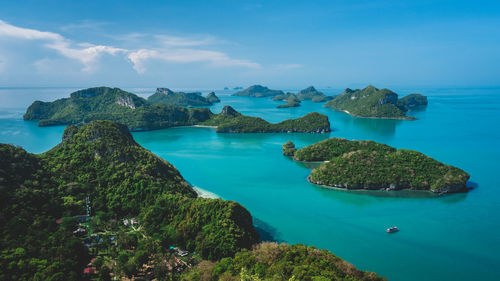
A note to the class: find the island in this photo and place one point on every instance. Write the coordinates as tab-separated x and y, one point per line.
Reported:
258	91
283	97
113	104
98	205
211	97
292	101
103	103
375	166
412	101
169	97
371	102
310	93
231	121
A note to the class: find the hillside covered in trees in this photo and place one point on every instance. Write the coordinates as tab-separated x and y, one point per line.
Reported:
374	103
169	97
98	205
231	121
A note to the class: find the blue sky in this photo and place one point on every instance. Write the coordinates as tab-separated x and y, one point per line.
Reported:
282	44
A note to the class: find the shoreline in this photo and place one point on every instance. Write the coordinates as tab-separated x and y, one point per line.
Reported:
410	118
205	193
388	190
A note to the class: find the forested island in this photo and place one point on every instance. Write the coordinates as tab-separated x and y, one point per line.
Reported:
258	91
292	100
231	121
169	97
98	205
375	166
371	102
310	93
138	114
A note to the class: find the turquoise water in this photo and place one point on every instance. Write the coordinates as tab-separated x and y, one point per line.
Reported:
454	237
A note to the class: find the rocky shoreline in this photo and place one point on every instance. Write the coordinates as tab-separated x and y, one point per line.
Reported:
392	187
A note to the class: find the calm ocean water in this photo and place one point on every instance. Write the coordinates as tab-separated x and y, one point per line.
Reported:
454	237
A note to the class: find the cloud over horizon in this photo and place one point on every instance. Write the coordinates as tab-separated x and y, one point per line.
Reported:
167	49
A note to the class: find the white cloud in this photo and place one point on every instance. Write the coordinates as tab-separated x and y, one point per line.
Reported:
139	57
165	48
288	66
86	53
2	64
174	41
26	33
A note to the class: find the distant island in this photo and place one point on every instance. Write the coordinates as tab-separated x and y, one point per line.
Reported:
211	97
231	121
310	93
138	114
169	97
114	104
292	100
374	166
371	102
258	91
99	205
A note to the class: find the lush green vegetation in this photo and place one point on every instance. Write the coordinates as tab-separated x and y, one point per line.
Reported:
231	121
370	102
169	97
335	147
258	91
411	101
289	149
116	105
370	165
139	207
32	246
100	167
270	261
292	101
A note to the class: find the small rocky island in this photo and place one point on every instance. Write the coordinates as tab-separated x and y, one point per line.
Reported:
169	97
231	121
371	102
375	166
138	114
211	97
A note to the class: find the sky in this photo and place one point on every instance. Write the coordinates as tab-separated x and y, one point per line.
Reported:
281	44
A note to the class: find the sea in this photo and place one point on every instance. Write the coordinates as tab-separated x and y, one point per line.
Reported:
449	237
